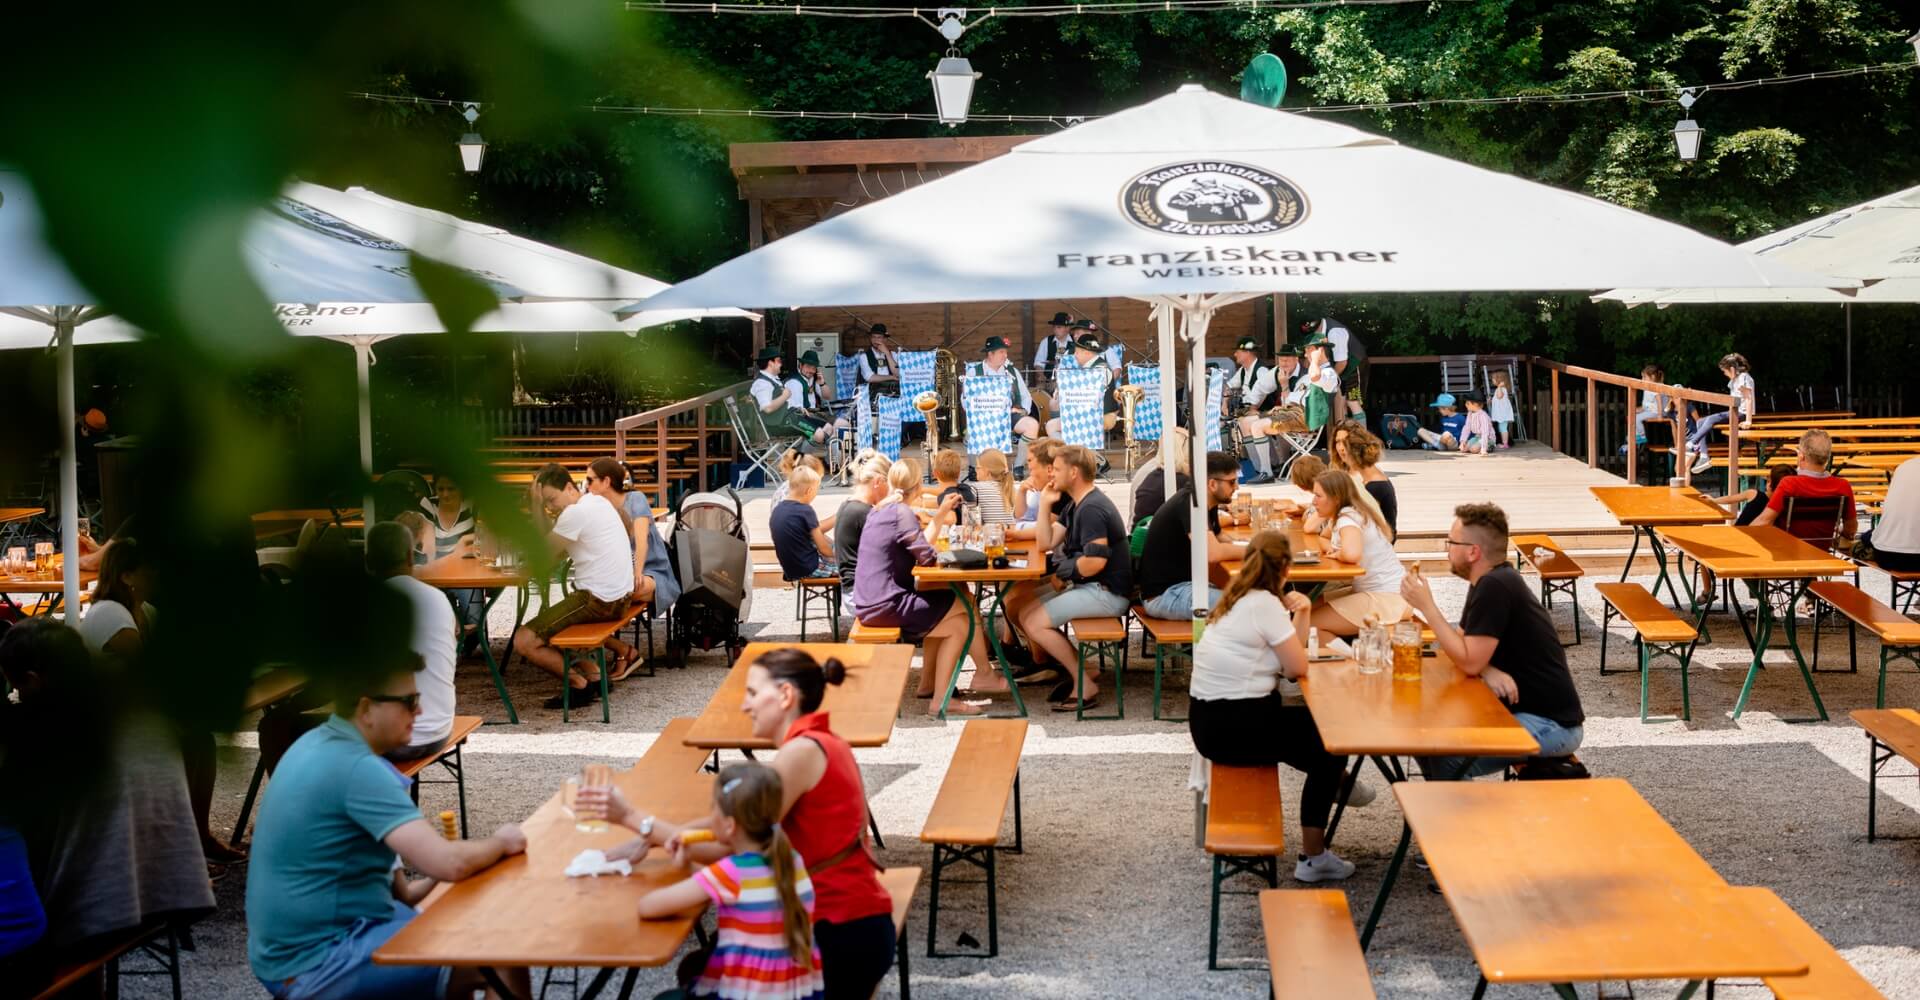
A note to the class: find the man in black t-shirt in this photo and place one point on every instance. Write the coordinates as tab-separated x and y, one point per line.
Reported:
1092	574
1166	582
1505	638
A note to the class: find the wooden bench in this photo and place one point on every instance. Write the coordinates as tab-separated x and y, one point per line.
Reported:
1245	834
1898	731
806	591
1828	975
1101	635
1558	572
449	758
1905	585
1658	632
269	689
1171	637
900	883
1899	635
964	824
1311	947
160	942
670	756
872	635
590	637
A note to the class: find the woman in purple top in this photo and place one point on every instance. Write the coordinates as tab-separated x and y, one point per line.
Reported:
885	595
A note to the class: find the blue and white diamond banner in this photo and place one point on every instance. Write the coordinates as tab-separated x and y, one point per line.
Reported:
862	420
846	376
1079	402
1146	412
891	409
916	377
1067	360
1216	386
988	400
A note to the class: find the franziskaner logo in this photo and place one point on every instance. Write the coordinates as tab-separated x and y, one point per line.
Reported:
1213	198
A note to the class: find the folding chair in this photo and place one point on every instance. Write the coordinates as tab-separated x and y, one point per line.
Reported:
1296	446
756	445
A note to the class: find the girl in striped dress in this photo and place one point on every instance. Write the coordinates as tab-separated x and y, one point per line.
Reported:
762	896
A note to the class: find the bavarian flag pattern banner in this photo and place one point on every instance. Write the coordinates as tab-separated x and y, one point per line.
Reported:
863	426
1146	412
1216	386
1079	400
989	403
892	409
916	377
846	375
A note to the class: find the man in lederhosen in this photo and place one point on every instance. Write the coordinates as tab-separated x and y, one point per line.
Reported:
1088	352
995	360
1052	349
810	393
1250	391
779	409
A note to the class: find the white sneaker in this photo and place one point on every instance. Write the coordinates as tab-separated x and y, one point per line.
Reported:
1702	463
1327	867
1362	795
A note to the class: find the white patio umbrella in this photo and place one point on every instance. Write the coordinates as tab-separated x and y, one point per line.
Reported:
1877	242
1194	202
337	264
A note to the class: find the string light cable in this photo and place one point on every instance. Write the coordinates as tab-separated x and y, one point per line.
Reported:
1649	95
1035	10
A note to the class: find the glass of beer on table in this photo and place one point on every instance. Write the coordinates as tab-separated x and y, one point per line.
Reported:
587	819
1406	651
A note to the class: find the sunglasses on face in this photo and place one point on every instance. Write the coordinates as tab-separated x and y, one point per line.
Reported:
409	701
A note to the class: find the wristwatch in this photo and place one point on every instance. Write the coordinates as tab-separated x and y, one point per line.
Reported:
646	827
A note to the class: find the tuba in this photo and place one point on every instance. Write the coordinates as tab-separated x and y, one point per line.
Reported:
1129	399
946	385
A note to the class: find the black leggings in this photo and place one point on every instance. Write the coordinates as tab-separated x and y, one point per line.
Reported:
855	956
1252	732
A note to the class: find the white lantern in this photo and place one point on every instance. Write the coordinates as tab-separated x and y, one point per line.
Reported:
1686	139
473	149
952	88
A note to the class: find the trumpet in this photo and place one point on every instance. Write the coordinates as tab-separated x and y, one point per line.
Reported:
1129	399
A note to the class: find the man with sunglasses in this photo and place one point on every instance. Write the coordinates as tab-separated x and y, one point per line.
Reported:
1166	586
1505	638
588	530
324	889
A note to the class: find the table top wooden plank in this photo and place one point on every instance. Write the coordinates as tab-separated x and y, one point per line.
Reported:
1328	570
1883	433
300	515
461	572
1646	506
272	686
862	710
1746	552
973	796
1828	975
1019	550
11	514
55	585
1446	713
1590	883
525	912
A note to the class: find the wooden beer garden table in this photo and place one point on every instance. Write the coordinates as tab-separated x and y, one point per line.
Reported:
8	515
469	572
1645	508
1444	714
863	708
1589	884
52	591
524	912
1026	566
1778	563
1316	575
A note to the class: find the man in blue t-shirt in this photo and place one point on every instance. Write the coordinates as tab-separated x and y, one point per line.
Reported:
324	890
1453	425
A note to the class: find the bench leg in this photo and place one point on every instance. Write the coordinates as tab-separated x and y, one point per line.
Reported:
1606	622
1018	845
1480	988
1641	645
901	950
458	767
246	803
1874	763
566	670
982	857
1080	681
498	668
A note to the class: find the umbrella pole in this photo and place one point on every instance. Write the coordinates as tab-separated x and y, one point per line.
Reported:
69	469
1847	307
363	361
1168	407
1198	319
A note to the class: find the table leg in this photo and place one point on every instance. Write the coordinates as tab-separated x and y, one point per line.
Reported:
497	669
1660	557
953	679
1386	885
1761	634
1799	589
993	642
498	985
1635	550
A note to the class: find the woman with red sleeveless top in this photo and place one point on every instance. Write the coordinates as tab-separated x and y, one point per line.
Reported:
824	815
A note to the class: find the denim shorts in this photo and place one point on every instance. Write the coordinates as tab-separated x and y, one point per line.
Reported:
348	972
1083	600
1177	601
1555	740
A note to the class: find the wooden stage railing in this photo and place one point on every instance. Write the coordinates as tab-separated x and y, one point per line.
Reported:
694	409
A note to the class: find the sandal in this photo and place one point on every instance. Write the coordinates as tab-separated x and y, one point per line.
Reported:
626	666
1089	702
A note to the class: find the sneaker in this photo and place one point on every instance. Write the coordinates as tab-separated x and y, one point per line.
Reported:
1702	463
1326	867
575	698
1259	479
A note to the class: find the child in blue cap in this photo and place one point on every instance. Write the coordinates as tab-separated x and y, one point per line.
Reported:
1453	425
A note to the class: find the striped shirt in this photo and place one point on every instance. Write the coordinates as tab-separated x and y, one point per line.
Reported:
444	539
993	506
750	959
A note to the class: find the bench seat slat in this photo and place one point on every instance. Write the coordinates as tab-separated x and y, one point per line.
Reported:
669	755
900	883
1100	630
865	634
1165	631
1828	976
1243	811
1311	947
1898	728
1558	566
973	797
463	727
1889	626
590	635
1653	620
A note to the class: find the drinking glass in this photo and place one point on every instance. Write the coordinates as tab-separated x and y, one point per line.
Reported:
1259	518
1370	652
16	564
1406	651
43	559
996	541
591	776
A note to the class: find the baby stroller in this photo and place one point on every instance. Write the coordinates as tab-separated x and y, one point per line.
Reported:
709	550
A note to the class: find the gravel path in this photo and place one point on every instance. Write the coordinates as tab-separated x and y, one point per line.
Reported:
1110	897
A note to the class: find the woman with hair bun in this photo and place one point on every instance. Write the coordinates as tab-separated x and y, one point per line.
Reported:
823	812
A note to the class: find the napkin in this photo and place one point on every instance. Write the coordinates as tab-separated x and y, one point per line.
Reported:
595	863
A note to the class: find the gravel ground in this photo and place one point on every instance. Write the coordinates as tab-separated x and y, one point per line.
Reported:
1110	897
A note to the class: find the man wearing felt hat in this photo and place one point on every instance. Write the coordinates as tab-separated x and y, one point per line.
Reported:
995	360
878	369
1055	347
1287	372
810	393
779	406
1250	390
1090	353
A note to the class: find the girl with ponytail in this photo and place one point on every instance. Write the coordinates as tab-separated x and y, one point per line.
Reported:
821	808
1240	715
762	897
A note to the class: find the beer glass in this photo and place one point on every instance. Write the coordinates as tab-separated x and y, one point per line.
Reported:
1406	651
996	541
591	776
